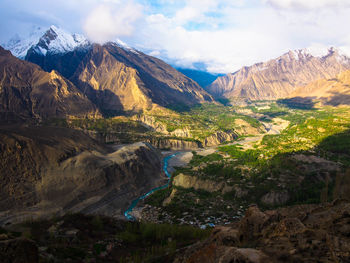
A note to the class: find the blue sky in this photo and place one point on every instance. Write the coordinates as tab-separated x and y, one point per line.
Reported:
223	35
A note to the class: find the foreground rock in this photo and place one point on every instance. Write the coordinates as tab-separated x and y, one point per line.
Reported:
18	251
308	233
47	171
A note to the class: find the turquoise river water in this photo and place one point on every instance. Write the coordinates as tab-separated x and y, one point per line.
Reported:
134	203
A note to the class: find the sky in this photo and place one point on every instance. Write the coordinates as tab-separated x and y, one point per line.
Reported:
219	36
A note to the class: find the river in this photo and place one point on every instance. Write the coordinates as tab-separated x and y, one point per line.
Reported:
134	203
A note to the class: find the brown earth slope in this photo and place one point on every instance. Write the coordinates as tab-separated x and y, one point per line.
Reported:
279	77
49	170
26	91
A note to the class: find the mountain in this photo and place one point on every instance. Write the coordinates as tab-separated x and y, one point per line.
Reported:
26	91
203	78
279	77
121	79
117	78
334	91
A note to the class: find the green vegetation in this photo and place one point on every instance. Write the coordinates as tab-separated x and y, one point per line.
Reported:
157	198
299	165
159	239
203	120
114	125
81	238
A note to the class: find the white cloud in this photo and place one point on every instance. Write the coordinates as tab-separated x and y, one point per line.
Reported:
223	34
308	4
249	34
113	19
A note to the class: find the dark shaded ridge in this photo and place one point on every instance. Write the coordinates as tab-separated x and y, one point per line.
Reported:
149	68
66	64
203	78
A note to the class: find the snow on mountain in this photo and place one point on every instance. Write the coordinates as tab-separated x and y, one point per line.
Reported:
316	52
19	46
125	46
54	41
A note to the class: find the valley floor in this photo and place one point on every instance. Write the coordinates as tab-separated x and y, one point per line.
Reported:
298	159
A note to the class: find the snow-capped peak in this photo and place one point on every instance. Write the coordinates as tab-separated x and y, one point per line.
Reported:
53	40
56	40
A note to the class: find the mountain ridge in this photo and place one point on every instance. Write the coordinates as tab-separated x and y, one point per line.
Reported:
277	78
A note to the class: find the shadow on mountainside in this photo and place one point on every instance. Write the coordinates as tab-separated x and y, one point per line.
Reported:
308	103
301	103
337	99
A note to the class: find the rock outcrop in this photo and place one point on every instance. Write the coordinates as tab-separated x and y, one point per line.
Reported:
47	171
308	233
28	92
188	181
275	198
278	78
174	144
219	137
151	123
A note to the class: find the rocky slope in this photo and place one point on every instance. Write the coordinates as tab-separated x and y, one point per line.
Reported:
26	91
278	78
334	91
55	170
135	82
309	233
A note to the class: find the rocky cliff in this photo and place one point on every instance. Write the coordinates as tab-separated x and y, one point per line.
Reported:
279	77
219	137
174	144
26	91
308	233
54	170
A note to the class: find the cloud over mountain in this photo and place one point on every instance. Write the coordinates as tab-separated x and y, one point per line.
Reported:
223	35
